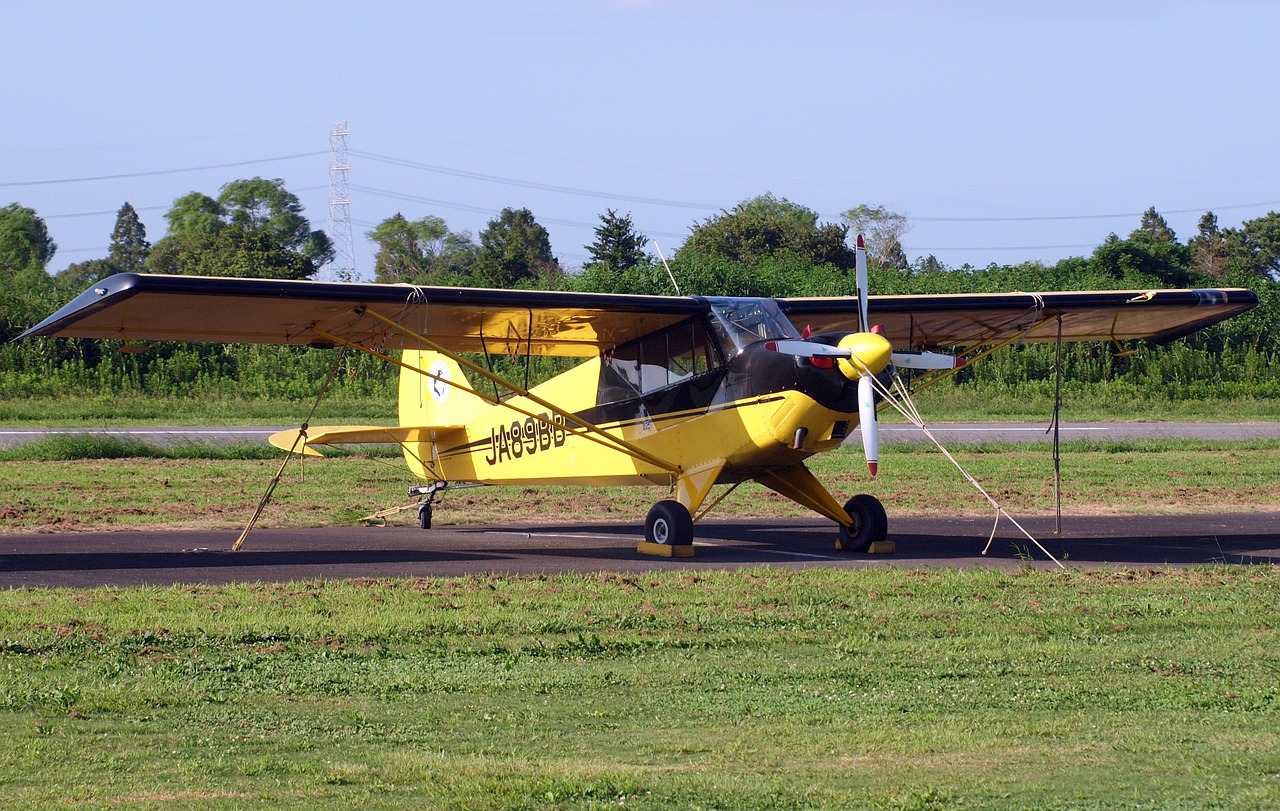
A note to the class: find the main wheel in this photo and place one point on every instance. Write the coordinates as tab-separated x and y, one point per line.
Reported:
669	522
870	524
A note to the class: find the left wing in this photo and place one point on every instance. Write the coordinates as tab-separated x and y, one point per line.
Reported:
979	319
142	307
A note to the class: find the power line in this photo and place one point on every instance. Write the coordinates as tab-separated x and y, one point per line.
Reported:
159	171
1068	217
413	198
529	184
112	212
1010	248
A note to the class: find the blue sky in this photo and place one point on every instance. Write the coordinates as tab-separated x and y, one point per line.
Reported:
1005	130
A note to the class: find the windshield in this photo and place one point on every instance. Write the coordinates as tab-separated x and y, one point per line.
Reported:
741	322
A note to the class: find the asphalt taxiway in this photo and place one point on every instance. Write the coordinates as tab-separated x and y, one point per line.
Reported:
278	555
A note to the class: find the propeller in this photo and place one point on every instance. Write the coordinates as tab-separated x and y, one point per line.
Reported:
863	355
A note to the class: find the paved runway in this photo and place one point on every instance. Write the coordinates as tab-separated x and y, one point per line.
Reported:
168	557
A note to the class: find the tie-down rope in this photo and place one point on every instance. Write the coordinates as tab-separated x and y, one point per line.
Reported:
901	400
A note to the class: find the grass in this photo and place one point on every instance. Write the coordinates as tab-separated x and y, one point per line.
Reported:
750	690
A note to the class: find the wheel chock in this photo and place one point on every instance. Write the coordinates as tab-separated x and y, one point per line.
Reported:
665	550
876	548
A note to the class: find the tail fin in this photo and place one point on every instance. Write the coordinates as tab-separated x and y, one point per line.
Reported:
442	397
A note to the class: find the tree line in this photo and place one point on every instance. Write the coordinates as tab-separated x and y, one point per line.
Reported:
763	246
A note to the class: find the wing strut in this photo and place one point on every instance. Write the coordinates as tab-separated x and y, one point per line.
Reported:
300	438
1057	432
584	429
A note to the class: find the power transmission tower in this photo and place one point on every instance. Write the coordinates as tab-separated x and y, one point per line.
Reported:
343	266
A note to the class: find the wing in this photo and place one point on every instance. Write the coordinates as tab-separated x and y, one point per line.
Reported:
979	319
142	307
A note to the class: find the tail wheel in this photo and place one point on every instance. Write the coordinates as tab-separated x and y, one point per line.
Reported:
669	522
424	516
870	524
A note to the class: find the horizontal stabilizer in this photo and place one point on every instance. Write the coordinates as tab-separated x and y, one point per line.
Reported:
358	435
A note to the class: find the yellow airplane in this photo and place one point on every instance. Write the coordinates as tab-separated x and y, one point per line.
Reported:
681	393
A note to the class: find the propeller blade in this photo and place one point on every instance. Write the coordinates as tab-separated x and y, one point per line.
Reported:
860	271
926	360
868	423
807	349
903	359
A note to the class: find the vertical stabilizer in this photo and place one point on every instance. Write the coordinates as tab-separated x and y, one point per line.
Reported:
441	397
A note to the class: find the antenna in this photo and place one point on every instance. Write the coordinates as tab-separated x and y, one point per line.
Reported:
343	265
670	275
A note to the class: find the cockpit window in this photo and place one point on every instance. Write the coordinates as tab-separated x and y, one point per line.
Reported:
656	361
740	322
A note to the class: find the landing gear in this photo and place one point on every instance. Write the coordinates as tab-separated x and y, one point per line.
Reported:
870	524
669	524
429	491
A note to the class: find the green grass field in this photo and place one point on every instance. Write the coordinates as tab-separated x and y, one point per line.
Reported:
748	690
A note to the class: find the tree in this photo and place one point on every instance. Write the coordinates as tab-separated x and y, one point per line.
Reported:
1135	262
891	256
193	214
929	264
514	248
24	241
254	228
420	251
26	290
1210	253
1255	247
1153	229
80	276
882	230
618	245
233	251
769	227
129	246
265	206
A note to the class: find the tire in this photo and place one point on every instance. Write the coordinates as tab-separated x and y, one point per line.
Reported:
424	516
870	524
669	523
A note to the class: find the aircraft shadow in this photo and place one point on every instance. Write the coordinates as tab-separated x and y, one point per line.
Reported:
1096	541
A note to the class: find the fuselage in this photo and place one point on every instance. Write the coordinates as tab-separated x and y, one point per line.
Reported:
707	389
